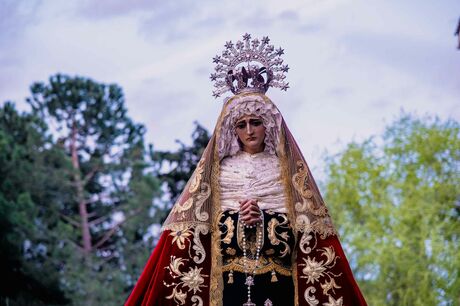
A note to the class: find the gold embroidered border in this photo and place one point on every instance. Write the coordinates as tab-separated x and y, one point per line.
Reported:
296	285
176	226
217	280
268	266
286	179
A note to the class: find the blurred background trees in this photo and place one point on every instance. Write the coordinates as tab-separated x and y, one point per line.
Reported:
82	197
396	202
32	175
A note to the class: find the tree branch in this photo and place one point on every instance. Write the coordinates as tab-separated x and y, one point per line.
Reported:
70	220
112	231
92	214
98	220
76	244
90	175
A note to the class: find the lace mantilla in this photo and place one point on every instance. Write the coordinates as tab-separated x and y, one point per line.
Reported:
240	106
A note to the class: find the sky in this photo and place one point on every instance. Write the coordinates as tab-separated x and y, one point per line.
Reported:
354	65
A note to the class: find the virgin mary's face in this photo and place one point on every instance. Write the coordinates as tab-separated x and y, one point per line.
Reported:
251	132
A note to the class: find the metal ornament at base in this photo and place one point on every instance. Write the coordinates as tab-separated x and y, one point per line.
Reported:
249	303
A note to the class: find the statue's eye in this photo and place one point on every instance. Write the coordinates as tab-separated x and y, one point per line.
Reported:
241	125
255	122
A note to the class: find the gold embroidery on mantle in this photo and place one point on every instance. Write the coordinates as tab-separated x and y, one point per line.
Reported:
307	236
329	285
181	208
201	197
286	179
180	235
197	175
217	280
311	216
320	271
189	281
333	302
311	299
197	245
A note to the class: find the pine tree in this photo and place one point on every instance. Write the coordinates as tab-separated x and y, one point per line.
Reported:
31	192
110	189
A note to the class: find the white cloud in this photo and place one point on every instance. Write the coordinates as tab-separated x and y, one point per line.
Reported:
353	63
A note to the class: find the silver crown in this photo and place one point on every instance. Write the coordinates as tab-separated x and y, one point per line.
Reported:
264	67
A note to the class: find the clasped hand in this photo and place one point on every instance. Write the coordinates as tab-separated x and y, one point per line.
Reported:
250	212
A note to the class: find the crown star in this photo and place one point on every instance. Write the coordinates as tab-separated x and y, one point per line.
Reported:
279	51
253	66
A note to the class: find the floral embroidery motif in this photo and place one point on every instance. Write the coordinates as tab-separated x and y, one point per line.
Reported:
315	270
329	285
189	281
182	232
333	302
180	235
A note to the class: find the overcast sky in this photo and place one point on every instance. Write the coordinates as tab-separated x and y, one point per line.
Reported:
354	64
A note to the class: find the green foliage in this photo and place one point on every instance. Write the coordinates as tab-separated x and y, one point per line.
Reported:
107	214
95	176
396	203
174	169
31	171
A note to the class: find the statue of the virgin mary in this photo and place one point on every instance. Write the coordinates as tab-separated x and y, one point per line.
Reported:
250	227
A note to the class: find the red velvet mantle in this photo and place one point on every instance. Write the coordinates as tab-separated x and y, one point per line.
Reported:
170	270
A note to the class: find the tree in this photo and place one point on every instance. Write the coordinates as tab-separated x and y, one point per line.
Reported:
31	171
110	186
174	169
95	131
396	203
